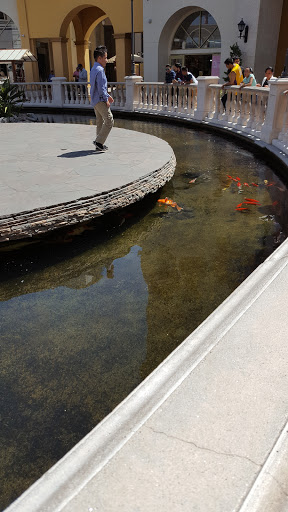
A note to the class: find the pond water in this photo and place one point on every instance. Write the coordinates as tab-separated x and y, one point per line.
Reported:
87	315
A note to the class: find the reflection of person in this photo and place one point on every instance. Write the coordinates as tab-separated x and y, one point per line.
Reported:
100	99
170	74
235	77
268	76
249	79
188	78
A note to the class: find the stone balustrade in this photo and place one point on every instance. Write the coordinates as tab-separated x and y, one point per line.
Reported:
256	112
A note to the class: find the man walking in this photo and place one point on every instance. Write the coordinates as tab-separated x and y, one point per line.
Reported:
100	99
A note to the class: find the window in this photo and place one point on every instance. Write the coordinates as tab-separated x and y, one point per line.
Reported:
199	30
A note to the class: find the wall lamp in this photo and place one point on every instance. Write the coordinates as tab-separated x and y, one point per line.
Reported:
242	27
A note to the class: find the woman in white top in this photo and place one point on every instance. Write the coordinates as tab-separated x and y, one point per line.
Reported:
268	76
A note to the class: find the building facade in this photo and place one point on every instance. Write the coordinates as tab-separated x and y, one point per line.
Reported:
200	36
62	34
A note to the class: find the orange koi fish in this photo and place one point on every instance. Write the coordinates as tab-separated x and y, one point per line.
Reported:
169	202
193	181
238	179
253	200
246	184
254	184
275	202
238	184
251	203
238	205
241	209
230	177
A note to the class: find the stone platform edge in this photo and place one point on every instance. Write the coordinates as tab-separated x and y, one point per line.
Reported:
42	220
58	486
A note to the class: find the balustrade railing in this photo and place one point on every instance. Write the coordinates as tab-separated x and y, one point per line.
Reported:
244	108
255	111
37	93
171	98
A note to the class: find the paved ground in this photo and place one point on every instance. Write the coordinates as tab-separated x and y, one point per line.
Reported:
47	164
44	166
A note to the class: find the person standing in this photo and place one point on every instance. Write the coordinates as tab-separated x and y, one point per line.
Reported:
170	74
100	99
82	74
177	70
235	77
188	78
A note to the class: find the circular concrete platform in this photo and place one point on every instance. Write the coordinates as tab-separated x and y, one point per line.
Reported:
51	176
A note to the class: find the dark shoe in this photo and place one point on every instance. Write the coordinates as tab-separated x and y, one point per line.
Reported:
99	150
101	146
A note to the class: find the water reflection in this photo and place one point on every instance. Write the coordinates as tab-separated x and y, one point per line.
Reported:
98	310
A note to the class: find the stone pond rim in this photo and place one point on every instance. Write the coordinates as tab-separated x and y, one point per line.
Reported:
51	176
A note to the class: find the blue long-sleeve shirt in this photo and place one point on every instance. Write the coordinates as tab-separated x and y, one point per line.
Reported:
98	81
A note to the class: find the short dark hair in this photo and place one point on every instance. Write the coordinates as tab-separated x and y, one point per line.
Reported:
269	67
184	68
228	61
168	65
235	57
177	65
80	66
100	52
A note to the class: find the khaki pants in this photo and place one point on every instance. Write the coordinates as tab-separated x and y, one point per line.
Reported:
104	121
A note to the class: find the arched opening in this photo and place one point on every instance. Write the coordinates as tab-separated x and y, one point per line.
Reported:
9	38
191	37
197	42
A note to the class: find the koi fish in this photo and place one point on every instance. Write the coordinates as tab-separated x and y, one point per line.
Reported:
246	184
238	184
251	203
238	205
252	200
230	177
193	181
275	202
238	179
254	184
169	202
241	209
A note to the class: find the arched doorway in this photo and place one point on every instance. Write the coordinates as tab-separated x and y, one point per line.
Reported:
9	38
197	43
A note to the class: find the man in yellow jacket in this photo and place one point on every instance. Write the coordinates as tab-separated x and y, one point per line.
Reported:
235	77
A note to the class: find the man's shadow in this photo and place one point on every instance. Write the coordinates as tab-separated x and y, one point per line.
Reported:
77	154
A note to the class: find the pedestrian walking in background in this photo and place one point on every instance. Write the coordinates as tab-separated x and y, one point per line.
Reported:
100	99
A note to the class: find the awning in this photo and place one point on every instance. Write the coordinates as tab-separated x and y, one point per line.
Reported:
13	55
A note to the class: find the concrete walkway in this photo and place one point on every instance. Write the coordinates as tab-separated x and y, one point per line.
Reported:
206	431
51	176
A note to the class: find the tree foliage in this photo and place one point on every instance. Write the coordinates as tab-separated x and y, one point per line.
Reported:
11	99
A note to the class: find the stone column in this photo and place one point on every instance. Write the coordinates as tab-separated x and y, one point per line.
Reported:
31	68
275	111
123	55
131	92
203	95
60	56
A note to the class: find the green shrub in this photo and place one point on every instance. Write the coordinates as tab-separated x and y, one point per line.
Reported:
11	97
